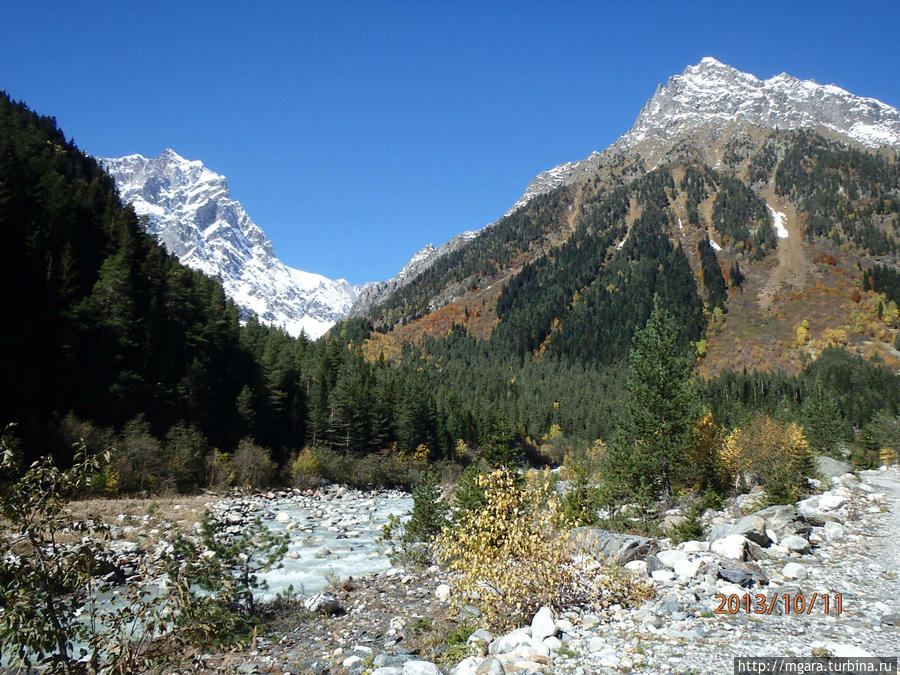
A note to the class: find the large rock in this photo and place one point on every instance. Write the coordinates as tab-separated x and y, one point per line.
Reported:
829	501
734	546
795	544
741	573
753	527
719	530
829	468
506	643
618	548
323	603
687	568
669	558
543	624
784	520
794	571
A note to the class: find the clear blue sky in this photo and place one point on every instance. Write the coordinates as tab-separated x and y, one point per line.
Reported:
356	132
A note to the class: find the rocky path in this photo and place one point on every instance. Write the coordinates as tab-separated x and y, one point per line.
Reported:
889	550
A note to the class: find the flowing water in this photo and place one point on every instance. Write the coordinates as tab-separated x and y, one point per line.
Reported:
334	538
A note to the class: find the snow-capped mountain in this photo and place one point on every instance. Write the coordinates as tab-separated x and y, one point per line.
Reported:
711	94
189	209
710	99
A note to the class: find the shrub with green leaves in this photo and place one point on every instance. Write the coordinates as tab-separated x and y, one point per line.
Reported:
51	612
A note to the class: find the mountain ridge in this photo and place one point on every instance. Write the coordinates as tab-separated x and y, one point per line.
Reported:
680	111
682	93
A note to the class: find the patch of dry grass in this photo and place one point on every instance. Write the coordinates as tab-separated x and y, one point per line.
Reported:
181	510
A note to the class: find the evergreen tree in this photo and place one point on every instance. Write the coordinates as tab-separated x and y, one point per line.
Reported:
822	422
661	407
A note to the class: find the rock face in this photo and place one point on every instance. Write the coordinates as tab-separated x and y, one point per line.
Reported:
190	211
619	548
712	94
710	100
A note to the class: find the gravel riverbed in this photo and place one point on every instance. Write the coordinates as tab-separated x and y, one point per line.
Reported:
842	543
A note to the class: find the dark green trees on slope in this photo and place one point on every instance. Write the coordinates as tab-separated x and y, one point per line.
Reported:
100	321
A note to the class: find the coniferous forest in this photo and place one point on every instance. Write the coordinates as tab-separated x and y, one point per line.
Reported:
108	338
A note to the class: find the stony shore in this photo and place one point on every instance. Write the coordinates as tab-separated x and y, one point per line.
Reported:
844	541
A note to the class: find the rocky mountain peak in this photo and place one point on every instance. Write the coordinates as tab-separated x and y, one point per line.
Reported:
711	97
189	209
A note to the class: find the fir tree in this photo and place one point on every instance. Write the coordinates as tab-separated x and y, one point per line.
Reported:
661	408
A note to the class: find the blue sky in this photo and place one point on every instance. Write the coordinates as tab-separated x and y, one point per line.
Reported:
354	133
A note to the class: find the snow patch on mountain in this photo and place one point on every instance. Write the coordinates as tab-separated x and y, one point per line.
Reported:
778	219
190	211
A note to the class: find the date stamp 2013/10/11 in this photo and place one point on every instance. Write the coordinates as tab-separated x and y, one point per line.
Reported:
786	603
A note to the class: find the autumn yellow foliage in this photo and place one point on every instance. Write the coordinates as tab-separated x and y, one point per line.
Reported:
513	555
777	454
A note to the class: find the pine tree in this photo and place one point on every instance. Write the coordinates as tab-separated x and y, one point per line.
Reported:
661	408
822	421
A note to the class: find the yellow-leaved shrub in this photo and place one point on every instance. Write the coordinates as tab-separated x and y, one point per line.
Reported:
513	555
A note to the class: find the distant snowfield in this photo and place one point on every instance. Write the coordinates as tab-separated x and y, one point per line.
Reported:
778	219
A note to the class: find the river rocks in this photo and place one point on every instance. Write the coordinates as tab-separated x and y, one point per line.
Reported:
753	527
618	548
543	624
784	520
684	628
694	546
669	558
833	531
322	603
638	567
508	642
733	546
829	501
653	564
794	571
719	530
687	569
795	544
891	620
741	573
